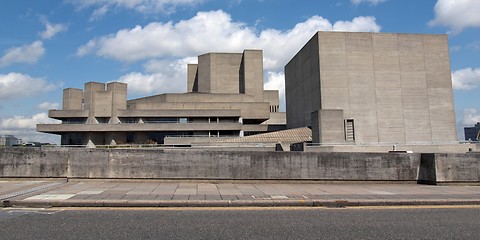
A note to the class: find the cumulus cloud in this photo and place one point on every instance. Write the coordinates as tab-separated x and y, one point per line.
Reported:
142	6
51	29
456	15
48	105
24	127
24	54
276	81
215	31
168	47
99	13
16	85
470	116
22	122
466	79
161	76
371	2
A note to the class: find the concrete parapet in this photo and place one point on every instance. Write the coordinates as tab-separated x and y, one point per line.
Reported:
194	164
438	168
420	148
33	162
238	165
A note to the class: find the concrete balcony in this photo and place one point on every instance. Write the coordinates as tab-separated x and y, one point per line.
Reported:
63	114
178	113
138	127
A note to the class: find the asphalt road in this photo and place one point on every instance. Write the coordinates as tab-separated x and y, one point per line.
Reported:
241	223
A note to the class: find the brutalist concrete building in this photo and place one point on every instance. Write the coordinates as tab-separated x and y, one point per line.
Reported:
372	88
225	98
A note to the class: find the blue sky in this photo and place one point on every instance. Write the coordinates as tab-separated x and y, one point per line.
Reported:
46	46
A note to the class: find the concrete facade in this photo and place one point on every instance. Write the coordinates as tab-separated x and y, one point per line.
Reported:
225	98
372	88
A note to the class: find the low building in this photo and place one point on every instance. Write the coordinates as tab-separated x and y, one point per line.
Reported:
225	99
8	140
372	89
472	133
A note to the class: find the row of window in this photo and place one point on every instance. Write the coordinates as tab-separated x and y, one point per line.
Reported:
103	120
74	138
274	108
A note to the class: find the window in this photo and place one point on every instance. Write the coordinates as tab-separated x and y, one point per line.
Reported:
349	130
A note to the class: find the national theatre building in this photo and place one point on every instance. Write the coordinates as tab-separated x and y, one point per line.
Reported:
225	99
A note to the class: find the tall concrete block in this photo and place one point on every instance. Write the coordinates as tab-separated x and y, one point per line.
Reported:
392	86
251	82
88	94
204	73
118	92
192	77
102	104
72	99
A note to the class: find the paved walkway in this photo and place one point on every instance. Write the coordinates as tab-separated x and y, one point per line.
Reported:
190	193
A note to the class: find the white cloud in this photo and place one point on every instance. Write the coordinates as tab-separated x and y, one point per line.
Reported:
276	81
162	76
87	48
99	13
142	6
455	49
24	54
215	32
474	45
24	128
51	29
358	24
21	122
470	116
48	105
457	14
17	85
168	47
466	79
371	2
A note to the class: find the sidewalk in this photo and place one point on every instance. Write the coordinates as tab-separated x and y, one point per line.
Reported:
110	193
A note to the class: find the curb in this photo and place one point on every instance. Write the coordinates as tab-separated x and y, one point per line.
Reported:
237	203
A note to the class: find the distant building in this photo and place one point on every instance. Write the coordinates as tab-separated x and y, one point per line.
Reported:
372	88
9	140
472	133
225	99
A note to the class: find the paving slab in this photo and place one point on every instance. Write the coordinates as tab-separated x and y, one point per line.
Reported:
103	193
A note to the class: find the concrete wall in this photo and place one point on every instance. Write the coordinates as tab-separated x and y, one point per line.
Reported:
237	165
33	162
440	168
328	126
396	87
466	168
302	85
430	148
